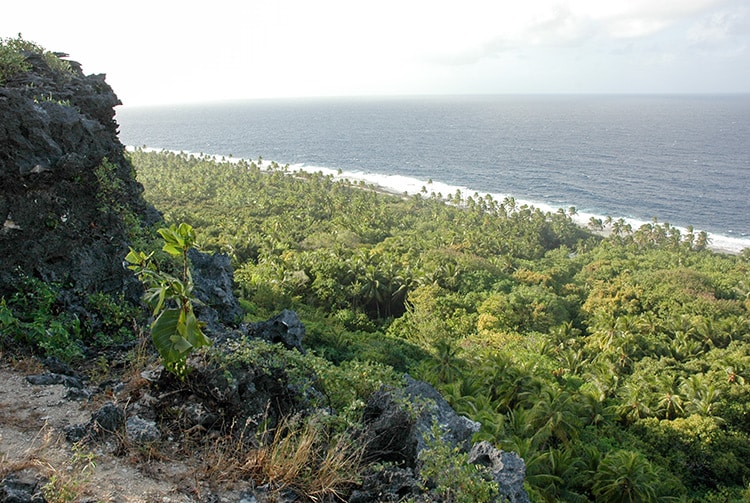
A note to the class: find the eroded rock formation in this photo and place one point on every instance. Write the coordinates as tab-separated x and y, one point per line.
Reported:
68	197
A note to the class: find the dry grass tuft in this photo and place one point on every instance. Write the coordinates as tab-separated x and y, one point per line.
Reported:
32	458
300	455
66	481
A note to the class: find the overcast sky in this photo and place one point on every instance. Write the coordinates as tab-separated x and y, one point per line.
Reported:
175	52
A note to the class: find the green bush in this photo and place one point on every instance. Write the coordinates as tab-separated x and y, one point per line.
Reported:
343	388
13	58
111	319
33	317
453	478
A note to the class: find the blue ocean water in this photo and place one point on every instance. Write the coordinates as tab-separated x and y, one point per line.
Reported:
682	159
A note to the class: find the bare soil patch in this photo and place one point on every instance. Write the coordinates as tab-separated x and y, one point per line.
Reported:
33	447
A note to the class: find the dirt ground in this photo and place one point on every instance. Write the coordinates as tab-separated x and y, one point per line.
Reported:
33	446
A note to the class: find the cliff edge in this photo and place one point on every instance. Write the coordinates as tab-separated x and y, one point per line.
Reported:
69	201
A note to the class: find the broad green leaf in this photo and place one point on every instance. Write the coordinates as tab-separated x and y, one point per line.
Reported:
134	257
173	250
162	330
180	345
194	334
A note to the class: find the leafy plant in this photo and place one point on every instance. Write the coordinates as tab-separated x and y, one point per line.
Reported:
625	476
33	317
453	477
70	484
175	331
12	61
112	195
111	319
14	53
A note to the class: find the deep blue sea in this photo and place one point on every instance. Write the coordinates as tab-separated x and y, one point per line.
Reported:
682	159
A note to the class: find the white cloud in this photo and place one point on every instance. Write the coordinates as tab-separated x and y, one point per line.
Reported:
720	28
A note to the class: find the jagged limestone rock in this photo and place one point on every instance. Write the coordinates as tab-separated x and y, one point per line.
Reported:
508	469
395	433
213	282
22	487
455	429
59	221
107	420
399	424
285	328
141	431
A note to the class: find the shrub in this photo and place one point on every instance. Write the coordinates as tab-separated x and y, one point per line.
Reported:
14	53
176	331
454	479
33	317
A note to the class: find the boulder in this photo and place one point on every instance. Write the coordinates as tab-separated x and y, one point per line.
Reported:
141	431
389	434
398	423
285	328
213	283
456	430
108	419
51	378
21	487
389	484
508	469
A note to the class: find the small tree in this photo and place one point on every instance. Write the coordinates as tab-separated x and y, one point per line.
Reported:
176	331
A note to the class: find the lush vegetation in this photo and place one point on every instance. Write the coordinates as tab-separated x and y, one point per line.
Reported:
36	317
618	367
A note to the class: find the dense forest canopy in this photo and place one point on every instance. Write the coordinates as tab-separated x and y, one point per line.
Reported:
617	366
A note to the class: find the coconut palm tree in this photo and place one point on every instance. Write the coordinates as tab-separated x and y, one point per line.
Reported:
446	365
700	396
625	477
633	402
669	397
556	414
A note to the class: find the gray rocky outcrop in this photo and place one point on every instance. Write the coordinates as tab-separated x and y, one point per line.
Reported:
507	468
213	283
63	209
400	424
285	328
22	487
456	430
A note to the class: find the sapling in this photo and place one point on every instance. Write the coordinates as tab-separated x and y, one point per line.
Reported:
176	331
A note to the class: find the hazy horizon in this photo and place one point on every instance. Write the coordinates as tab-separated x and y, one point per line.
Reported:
387	97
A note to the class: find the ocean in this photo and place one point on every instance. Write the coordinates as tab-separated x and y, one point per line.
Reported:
681	159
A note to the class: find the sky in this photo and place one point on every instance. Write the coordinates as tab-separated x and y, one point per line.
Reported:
169	52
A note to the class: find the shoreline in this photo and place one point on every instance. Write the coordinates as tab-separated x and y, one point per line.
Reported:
399	185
